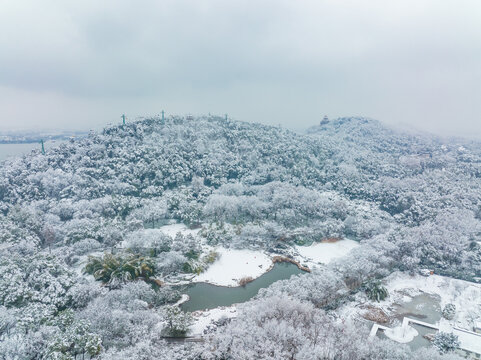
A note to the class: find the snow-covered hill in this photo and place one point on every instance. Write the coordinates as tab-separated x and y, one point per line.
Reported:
411	201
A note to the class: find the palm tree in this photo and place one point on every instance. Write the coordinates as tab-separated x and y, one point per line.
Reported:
375	290
113	270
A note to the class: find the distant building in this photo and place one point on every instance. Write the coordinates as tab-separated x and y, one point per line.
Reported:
324	120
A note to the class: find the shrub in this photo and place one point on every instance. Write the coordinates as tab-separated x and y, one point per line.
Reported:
193	267
73	338
187	268
449	311
85	246
192	254
245	280
178	322
197	269
166	295
211	257
170	262
445	342
375	290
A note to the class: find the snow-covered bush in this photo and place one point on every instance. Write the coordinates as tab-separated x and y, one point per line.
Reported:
86	246
211	257
170	262
41	279
445	342
72	338
82	292
166	295
149	241
449	311
150	349
124	316
177	321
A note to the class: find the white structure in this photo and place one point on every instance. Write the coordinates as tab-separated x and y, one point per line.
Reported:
470	342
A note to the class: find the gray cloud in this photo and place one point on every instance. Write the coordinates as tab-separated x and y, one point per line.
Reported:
81	64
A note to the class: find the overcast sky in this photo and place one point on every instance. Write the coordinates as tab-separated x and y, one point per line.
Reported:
81	64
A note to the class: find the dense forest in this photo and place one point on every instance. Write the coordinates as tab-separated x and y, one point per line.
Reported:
412	201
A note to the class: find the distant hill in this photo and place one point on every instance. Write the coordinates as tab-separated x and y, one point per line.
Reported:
358	158
22	137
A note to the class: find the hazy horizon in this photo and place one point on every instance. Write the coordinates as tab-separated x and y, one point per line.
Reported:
69	65
407	128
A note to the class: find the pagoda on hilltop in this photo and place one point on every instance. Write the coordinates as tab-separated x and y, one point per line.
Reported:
324	120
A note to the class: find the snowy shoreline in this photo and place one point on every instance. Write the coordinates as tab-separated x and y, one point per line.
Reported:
233	265
324	252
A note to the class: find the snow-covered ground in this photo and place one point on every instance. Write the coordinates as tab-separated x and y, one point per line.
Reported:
325	252
202	319
173	229
182	300
401	334
403	288
232	265
466	296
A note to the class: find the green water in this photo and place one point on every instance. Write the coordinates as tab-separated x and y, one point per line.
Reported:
205	296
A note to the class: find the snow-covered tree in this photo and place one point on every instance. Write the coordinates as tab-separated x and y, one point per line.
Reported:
445	342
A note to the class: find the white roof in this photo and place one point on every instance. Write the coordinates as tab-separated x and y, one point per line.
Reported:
468	340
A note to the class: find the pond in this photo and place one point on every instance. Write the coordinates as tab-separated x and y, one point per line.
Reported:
204	296
423	307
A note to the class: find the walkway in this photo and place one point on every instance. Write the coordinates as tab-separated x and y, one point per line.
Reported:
469	340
